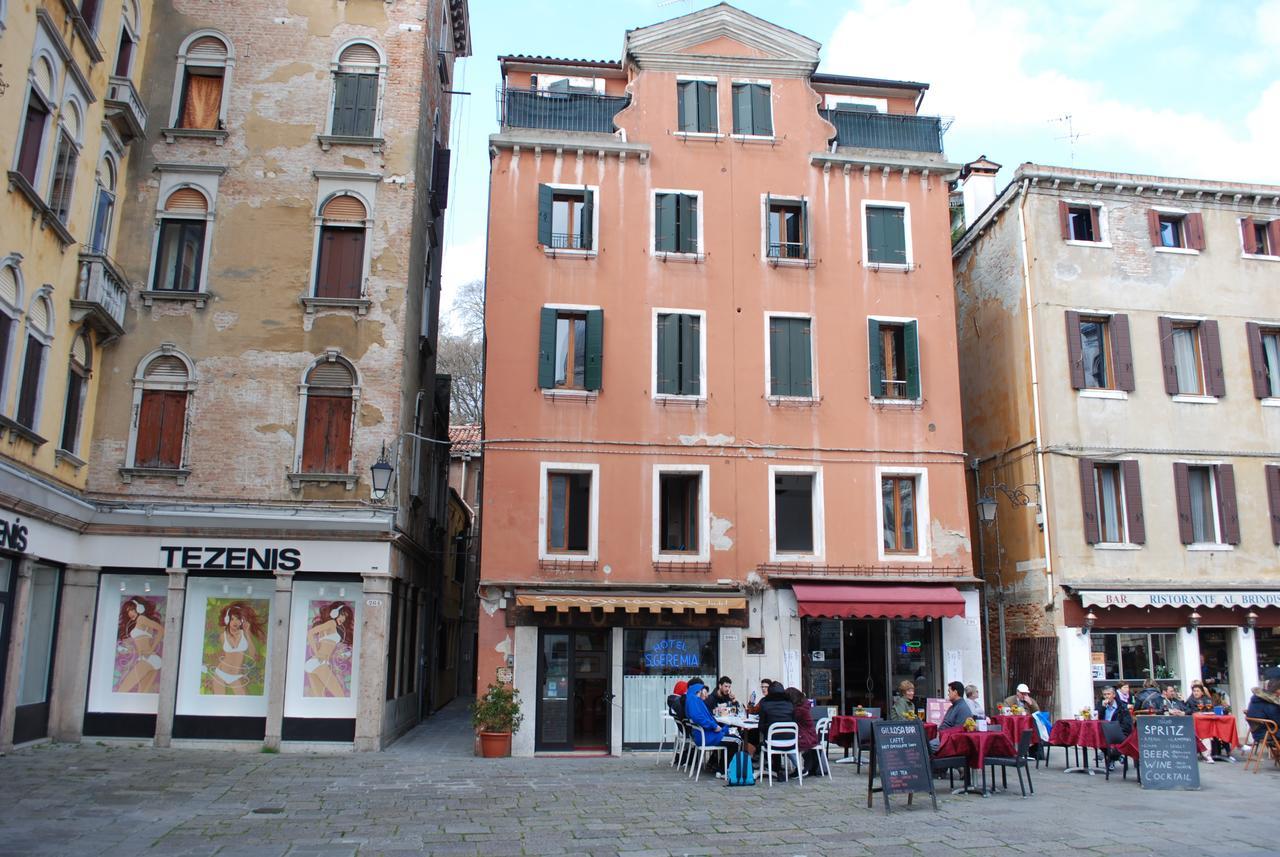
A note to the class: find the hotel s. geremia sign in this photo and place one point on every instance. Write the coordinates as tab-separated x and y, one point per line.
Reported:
1177	598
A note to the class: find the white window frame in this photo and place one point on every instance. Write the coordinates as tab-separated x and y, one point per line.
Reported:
45	338
131	25
1123	511
702	355
331	355
1100	392
365	189
819	514
336	67
758	138
668	255
49	100
906	227
12	315
765	199
698	135
813	357
170	182
71	103
1183	213
1195	398
180	76
703	471
61	451
1273	256
924	521
1104	224
1216	516
141	384
100	184
594	249
902	320
1264	327
555	393
545	469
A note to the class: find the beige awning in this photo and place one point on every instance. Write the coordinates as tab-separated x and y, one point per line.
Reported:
630	603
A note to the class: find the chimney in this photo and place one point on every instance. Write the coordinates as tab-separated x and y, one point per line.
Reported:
979	188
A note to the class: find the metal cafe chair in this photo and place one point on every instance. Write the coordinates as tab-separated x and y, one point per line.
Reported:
1018	761
783	739
1260	746
1113	734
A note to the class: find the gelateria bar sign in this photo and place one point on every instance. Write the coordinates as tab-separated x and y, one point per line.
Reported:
1177	598
218	558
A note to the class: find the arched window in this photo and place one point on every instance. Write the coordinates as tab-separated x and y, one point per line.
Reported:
77	387
340	254
162	389
204	71
41	88
129	29
104	205
10	310
65	157
180	241
330	391
358	72
39	338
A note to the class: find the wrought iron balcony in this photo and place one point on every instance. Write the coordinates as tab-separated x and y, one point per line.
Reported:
102	295
788	250
124	109
867	130
558	111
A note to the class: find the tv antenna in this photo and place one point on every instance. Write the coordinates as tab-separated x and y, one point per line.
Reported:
1072	136
662	3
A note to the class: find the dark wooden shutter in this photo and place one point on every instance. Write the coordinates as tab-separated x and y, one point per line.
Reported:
346	92
1182	493
1122	352
173	428
761	110
875	352
366	107
6	331
440	177
71	412
895	235
779	358
875	234
665	222
1153	227
800	339
1064	219
89	12
124	56
1075	350
32	139
162	418
1257	360
668	354
340	269
593	374
1133	503
1211	348
547	349
1089	501
690	355
588	219
687	218
1272	473
1247	235
546	197
683	95
742	108
1228	511
1273	235
1168	365
911	348
804	226
1194	228
29	392
708	118
326	438
1095	223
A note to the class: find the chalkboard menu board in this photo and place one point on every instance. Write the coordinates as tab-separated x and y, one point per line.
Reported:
1167	752
901	758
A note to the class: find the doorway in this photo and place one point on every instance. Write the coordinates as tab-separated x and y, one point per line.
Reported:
574	701
850	663
31	717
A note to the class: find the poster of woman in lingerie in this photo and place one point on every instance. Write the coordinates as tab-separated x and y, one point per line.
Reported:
139	644
235	646
330	635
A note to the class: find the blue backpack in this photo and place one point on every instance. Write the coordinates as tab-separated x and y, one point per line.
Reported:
739	772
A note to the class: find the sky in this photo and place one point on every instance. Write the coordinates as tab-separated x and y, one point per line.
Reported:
1175	88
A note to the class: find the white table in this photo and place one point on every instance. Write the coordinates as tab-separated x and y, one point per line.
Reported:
738	720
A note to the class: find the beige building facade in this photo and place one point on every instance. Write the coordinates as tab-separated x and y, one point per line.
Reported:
1120	365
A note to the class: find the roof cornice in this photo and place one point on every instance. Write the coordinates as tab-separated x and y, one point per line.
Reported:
665	46
1243	193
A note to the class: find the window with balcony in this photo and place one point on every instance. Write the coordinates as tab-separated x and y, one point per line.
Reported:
162	388
1080	222
1206	500
34	360
898	514
328	406
1111	498
204	69
1099	352
787	228
678	354
698	112
340	256
789	367
104	206
180	242
571	349
676	226
1191	358
357	84
566	217
89	11
65	157
569	510
752	109
77	387
128	42
894	359
1264	359
1260	237
31	145
885	235
796	510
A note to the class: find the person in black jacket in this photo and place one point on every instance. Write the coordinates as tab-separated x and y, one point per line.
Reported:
1173	703
1149	699
777	707
1111	708
1264	705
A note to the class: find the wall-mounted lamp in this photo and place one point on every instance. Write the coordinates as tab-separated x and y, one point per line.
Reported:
1193	622
1250	621
380	473
1089	621
987	509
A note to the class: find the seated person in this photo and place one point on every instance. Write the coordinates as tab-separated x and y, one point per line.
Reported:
753	706
1150	700
807	731
723	694
776	707
1122	694
1023	699
1173	703
1110	708
972	693
1264	705
695	706
1199	701
957	714
904	704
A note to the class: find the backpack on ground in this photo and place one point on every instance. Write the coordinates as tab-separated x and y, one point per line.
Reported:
739	771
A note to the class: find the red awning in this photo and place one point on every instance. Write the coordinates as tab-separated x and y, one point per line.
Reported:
869	601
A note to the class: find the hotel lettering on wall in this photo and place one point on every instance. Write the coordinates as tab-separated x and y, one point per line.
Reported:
213	558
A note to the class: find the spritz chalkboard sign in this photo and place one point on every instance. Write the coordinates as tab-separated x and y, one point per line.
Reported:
900	757
1167	752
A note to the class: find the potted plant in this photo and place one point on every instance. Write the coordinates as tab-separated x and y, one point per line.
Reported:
495	715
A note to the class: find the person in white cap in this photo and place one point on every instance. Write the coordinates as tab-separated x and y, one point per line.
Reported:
1023	699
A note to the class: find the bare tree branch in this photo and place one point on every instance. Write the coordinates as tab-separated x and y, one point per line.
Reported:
468	309
462	358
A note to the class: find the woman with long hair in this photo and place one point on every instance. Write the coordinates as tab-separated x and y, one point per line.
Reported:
139	631
332	627
242	637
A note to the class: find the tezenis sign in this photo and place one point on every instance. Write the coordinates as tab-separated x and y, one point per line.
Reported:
231	559
13	535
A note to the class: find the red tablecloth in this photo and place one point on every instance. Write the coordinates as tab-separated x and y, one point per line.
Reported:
1130	745
1014	725
1220	726
975	746
1078	733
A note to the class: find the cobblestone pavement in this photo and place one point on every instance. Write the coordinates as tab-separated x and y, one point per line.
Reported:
428	795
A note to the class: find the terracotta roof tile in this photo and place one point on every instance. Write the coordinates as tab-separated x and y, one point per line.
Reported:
465	440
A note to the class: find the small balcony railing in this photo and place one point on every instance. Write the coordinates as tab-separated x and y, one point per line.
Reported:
788	250
559	111
124	108
565	241
102	294
863	129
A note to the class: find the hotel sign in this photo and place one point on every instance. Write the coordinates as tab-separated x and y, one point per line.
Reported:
1178	598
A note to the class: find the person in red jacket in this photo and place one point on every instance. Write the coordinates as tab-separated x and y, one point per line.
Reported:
807	731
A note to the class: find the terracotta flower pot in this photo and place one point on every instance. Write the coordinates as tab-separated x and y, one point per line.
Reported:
494	745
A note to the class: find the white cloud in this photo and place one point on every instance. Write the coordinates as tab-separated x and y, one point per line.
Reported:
463	262
1268	23
991	67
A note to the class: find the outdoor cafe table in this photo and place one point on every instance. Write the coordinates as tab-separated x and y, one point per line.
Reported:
1015	724
1220	726
975	747
1081	734
844	732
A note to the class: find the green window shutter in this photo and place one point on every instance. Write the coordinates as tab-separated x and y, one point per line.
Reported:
593	375
875	350
911	347
687	218
687	106
665	222
741	108
804	226
545	195
895	236
366	108
690	357
779	358
761	110
588	219
668	354
345	90
547	350
708	119
875	234
801	357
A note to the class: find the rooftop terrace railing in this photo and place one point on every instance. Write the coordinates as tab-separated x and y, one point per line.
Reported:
864	129
558	111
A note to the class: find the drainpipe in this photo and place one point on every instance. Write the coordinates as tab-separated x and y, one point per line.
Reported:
982	571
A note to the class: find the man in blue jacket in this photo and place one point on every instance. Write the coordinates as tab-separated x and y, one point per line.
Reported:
695	708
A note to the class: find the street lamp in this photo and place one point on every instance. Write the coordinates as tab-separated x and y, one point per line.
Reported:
380	473
1193	622
987	509
1250	621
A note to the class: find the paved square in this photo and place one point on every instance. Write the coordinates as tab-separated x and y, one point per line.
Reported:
428	795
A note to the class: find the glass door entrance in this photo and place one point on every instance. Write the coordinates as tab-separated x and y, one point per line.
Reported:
849	663
573	691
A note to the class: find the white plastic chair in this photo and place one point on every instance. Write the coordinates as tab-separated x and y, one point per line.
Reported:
700	751
782	740
670	731
824	762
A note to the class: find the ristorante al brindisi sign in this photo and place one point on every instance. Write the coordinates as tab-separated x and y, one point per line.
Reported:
222	558
1177	598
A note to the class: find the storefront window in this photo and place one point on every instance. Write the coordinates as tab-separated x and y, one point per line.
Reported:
1133	657
912	657
37	655
652	662
821	661
1268	640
